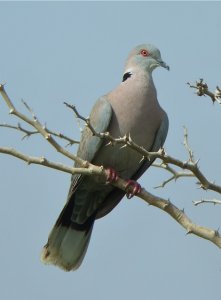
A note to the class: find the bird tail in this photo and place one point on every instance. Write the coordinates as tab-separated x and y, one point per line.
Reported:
68	241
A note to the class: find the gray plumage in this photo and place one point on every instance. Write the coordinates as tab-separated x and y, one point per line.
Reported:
132	108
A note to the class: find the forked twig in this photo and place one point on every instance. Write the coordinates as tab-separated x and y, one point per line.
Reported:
27	133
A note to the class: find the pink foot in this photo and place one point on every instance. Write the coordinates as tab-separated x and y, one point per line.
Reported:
112	175
136	188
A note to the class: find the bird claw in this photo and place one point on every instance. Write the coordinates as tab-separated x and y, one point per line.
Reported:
112	175
135	186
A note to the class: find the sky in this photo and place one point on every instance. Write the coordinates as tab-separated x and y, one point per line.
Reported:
53	52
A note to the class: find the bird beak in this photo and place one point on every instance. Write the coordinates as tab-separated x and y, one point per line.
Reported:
163	64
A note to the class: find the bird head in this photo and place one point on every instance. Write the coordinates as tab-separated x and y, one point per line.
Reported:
146	57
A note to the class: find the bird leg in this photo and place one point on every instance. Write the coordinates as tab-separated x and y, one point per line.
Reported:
135	186
112	175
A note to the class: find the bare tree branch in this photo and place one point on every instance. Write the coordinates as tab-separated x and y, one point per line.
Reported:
175	174
165	205
186	145
37	125
181	218
28	133
203	90
89	169
212	201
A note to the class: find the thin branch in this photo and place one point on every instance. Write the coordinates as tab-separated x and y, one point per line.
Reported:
193	167
175	174
203	90
179	216
212	201
28	133
165	205
37	125
90	170
186	145
103	135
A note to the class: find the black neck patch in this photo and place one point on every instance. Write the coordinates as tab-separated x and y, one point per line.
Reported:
126	76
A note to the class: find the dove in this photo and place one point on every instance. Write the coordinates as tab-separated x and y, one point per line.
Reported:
131	109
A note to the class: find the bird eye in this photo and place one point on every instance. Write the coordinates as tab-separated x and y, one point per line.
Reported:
144	52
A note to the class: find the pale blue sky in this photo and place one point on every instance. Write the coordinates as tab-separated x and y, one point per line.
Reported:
75	52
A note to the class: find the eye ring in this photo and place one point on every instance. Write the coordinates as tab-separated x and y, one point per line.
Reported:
144	52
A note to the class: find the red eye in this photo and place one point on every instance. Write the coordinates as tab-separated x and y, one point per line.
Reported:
144	52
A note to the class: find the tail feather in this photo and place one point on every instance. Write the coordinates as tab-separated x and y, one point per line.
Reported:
68	249
68	241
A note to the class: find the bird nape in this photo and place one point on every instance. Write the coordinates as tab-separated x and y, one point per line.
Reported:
131	108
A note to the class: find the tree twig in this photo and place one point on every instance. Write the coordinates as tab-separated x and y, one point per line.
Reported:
212	201
90	170
175	174
37	125
187	147
28	133
203	90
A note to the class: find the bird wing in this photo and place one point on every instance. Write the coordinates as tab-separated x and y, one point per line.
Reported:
100	118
